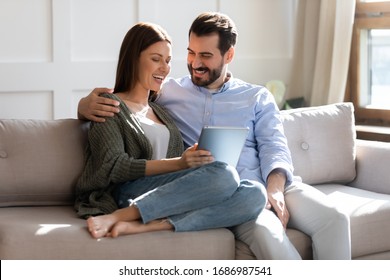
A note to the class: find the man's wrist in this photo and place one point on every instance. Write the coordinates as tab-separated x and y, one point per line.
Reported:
277	178
279	171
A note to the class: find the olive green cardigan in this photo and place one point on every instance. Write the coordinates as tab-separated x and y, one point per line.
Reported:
116	152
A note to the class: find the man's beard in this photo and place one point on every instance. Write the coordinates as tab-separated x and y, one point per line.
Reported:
213	75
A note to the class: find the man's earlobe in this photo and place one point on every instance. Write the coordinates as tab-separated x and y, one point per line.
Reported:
230	55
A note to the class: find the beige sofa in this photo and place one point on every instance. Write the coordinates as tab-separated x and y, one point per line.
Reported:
40	162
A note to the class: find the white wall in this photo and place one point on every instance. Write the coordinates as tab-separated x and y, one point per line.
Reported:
53	52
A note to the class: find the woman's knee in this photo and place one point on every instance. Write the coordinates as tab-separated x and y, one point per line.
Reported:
257	191
224	177
255	196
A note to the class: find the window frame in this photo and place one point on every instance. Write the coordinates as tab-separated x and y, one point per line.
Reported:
368	15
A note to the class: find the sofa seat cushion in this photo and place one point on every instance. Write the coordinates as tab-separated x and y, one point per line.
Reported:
56	232
322	142
369	213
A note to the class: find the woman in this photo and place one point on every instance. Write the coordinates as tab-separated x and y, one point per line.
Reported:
137	177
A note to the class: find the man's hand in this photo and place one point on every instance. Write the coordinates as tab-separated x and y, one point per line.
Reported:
275	191
95	108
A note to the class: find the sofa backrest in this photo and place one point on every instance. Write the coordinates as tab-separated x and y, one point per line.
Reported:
40	161
322	142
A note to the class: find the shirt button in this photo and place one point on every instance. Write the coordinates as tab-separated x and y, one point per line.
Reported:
304	146
3	154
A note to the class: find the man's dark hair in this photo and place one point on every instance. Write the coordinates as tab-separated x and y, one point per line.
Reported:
208	23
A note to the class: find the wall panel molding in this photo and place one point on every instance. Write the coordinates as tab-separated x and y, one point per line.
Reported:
54	52
25	28
14	105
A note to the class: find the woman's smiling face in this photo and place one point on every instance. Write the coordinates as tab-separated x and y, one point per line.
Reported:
155	65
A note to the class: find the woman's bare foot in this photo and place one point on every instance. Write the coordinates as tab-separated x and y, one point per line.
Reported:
100	226
132	227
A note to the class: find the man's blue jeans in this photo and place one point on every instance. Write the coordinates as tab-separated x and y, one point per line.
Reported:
210	196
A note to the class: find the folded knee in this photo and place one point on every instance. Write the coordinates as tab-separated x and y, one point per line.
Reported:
255	198
258	193
226	176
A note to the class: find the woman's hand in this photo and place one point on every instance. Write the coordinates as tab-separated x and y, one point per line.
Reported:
192	157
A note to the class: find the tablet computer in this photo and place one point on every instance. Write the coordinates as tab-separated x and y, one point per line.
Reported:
224	142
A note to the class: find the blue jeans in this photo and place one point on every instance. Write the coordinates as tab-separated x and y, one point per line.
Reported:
210	196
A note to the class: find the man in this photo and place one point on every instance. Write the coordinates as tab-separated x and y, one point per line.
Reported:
211	96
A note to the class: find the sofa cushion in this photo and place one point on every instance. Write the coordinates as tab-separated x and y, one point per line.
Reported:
40	161
57	233
372	167
322	142
369	213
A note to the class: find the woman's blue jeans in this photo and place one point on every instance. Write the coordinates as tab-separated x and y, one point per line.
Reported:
210	196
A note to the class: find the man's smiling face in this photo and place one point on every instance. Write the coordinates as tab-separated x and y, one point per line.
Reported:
204	61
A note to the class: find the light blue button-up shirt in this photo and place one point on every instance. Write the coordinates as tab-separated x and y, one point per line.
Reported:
236	103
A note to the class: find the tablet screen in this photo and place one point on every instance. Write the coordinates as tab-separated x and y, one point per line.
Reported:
224	142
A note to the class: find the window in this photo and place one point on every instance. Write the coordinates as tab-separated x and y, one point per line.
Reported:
369	78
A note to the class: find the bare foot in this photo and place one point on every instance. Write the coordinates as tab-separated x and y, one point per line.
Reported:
100	226
132	227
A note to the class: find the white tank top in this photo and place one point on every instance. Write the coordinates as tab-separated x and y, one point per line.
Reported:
158	135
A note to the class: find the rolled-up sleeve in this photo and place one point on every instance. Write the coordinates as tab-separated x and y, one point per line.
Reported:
271	140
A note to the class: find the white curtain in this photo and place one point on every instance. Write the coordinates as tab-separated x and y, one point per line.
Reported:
322	50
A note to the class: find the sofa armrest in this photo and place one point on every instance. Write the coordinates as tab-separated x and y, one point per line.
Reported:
373	161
